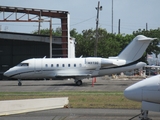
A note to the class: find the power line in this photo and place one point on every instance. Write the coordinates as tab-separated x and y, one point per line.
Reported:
83	21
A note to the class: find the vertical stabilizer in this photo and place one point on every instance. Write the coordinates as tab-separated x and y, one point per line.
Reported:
136	48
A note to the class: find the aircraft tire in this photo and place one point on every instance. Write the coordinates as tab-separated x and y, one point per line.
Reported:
79	83
19	84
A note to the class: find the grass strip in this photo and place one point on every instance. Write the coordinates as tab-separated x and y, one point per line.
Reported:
79	99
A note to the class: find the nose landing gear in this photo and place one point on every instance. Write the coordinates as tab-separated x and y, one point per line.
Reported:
144	115
19	82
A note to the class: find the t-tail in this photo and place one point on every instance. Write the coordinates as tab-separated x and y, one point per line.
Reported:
135	49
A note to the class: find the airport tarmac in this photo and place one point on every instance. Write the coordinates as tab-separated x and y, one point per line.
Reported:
65	85
80	114
70	113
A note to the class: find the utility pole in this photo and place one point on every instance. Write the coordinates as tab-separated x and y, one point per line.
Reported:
146	26
97	22
112	16
119	26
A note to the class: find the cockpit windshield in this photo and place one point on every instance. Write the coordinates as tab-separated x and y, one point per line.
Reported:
23	64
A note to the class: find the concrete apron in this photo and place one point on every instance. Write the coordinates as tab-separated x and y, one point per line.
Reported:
29	105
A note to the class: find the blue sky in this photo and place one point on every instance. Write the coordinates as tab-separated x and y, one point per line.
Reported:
134	14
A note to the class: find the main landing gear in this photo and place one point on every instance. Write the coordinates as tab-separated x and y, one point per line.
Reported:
19	82
78	82
144	115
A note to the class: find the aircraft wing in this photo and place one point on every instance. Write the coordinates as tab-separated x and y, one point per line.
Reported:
72	75
82	73
79	76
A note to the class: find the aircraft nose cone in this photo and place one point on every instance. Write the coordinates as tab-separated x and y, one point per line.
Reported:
133	92
8	73
5	74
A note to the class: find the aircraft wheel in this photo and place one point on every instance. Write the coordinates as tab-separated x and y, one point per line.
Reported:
79	83
19	84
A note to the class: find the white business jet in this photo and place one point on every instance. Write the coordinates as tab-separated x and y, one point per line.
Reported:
147	92
80	68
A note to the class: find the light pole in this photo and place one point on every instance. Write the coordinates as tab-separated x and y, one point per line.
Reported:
97	22
50	48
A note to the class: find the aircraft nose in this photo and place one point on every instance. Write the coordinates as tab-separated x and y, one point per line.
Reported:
9	72
6	73
134	92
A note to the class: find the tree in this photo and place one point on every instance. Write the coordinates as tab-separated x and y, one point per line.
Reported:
108	44
57	32
85	43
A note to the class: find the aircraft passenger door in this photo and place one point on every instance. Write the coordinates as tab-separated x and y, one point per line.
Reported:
85	63
38	66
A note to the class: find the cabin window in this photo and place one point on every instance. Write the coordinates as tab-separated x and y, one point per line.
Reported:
80	65
69	65
46	65
63	65
51	65
57	65
74	65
